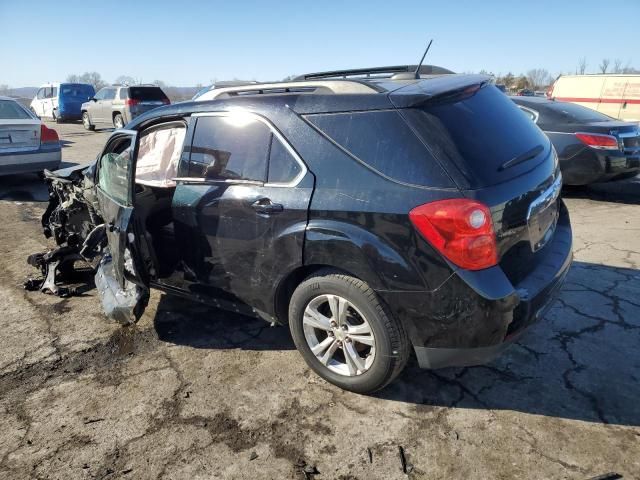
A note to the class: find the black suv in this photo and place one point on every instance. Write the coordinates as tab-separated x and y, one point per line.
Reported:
372	215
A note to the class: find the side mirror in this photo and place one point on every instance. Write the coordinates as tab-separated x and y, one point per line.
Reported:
93	99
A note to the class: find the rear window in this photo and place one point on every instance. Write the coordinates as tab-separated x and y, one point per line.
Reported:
10	110
383	141
147	93
478	131
572	113
76	91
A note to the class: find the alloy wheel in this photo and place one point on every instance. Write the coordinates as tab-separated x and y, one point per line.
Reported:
339	335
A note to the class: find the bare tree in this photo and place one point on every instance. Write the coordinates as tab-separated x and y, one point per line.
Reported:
126	80
582	65
617	66
604	65
92	78
538	77
522	82
4	89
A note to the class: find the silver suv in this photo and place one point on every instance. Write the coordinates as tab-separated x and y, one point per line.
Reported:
119	104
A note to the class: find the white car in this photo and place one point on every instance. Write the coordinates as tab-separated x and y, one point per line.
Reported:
26	144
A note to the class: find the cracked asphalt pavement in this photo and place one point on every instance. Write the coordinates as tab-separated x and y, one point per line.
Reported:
196	393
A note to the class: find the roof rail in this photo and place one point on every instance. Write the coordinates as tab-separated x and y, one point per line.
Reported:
327	87
375	72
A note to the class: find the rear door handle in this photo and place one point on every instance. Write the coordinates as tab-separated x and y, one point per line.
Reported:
266	206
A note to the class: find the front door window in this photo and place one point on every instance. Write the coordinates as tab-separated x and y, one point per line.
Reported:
114	170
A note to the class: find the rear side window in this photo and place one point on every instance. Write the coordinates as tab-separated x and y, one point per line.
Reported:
122	94
109	94
226	149
383	141
147	94
283	168
478	130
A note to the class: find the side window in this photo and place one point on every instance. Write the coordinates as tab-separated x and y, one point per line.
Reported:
40	94
122	94
233	147
54	92
99	95
109	94
283	168
383	141
114	170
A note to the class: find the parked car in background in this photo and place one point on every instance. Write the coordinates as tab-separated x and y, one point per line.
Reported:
117	105
26	144
61	101
591	147
525	92
615	95
372	215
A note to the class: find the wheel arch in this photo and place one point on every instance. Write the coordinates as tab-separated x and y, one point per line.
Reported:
290	282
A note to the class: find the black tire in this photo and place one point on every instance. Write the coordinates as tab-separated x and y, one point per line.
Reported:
391	341
55	117
86	122
118	121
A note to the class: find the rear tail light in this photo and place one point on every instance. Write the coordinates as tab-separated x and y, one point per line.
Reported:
48	135
595	140
460	229
130	102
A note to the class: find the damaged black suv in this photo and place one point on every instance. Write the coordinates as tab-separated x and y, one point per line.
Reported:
372	215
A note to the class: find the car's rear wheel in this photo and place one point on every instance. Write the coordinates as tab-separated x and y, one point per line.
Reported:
118	121
345	333
55	116
86	122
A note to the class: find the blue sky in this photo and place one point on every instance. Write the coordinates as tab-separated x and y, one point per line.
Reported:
188	42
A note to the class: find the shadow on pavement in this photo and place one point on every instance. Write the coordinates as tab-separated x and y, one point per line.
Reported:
624	191
26	187
581	362
185	322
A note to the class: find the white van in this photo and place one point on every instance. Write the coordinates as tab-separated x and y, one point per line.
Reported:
615	95
61	101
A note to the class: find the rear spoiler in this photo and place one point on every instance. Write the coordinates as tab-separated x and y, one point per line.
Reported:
437	88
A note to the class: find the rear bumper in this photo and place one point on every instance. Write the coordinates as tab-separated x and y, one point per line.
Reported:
594	166
27	162
474	316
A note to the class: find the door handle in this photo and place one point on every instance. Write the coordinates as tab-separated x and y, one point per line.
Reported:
266	206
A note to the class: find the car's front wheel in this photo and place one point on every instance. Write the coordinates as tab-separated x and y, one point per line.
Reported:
86	122
345	334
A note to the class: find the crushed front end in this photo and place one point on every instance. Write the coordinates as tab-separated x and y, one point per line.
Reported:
71	219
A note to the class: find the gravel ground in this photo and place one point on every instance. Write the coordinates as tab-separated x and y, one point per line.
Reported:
193	392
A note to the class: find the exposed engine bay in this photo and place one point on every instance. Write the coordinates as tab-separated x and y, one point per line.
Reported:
72	220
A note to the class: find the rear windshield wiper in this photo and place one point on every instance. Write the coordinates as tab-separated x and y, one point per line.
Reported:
528	155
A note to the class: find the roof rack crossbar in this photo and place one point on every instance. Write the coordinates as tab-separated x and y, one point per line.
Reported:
327	86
